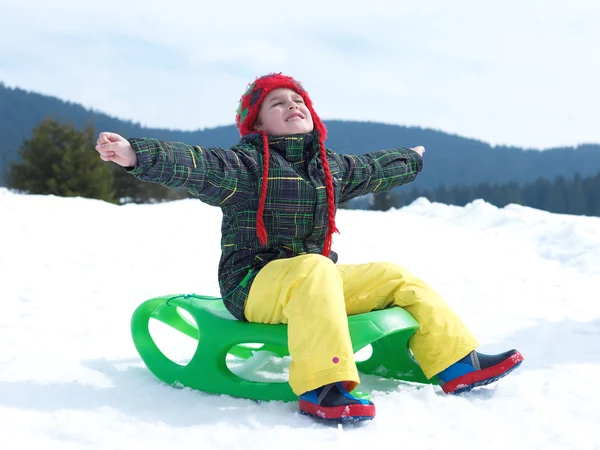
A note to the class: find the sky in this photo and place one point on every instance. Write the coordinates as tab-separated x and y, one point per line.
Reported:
517	72
73	270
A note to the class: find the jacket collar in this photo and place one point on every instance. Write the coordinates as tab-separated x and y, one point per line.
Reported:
293	148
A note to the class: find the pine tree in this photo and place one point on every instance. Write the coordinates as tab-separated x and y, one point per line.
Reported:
556	197
442	195
513	194
576	202
591	188
382	201
60	160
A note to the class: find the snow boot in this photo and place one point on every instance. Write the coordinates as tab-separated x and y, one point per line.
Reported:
477	369
333	402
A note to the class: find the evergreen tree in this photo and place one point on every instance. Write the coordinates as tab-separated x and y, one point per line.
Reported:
60	160
442	195
513	193
535	194
556	197
591	189
576	202
581	196
382	201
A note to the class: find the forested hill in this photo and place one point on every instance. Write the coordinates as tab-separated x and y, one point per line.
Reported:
450	160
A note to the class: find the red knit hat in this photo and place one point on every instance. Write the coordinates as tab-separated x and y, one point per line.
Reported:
245	119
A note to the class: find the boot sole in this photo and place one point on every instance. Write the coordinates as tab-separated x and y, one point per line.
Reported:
483	377
342	414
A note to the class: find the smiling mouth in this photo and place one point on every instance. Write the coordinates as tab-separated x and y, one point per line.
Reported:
294	118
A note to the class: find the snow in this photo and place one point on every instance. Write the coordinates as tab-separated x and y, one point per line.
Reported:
72	271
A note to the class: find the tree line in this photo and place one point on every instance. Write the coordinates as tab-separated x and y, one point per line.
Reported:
563	195
61	160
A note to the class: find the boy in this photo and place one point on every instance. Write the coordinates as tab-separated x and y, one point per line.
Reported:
279	188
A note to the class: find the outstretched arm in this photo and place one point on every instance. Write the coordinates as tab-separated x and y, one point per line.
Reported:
219	177
379	171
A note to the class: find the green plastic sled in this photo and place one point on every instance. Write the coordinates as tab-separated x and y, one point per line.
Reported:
219	334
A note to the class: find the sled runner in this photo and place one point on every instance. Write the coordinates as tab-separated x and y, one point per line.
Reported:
219	334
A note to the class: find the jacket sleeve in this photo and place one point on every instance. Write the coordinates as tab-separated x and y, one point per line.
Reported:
219	177
377	171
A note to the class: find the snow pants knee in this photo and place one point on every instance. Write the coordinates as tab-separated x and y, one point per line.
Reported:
314	296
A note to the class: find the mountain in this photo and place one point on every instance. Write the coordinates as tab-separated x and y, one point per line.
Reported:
449	160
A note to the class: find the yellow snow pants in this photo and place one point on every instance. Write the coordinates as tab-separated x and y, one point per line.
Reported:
314	296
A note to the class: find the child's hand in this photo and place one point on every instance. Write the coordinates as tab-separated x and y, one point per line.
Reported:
420	150
115	148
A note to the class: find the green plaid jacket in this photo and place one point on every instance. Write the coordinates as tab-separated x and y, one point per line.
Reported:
296	206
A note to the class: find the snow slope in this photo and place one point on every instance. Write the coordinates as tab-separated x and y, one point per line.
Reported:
72	271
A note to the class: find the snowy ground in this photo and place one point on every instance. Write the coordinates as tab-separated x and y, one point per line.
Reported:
73	270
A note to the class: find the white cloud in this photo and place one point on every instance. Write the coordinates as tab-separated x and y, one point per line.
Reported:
517	72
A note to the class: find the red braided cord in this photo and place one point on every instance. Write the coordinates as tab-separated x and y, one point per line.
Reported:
331	226
261	230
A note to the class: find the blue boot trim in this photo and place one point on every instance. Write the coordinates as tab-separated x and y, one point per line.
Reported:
458	369
333	403
349	396
313	396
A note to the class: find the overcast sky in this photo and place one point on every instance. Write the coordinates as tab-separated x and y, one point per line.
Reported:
516	72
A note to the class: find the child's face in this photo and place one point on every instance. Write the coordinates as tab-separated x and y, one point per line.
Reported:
283	113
